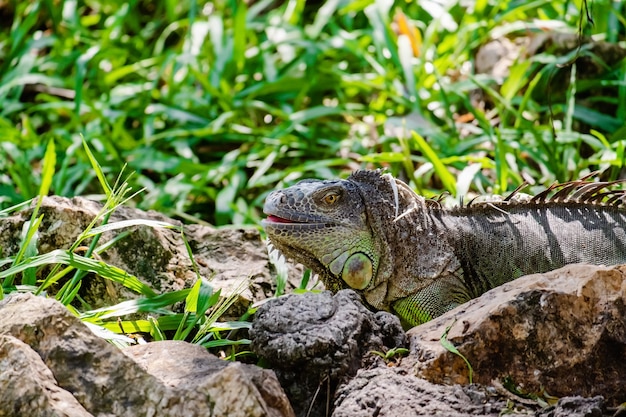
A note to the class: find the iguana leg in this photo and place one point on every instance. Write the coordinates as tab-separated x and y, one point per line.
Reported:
431	301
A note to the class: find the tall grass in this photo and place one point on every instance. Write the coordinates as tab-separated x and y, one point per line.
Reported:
213	104
66	268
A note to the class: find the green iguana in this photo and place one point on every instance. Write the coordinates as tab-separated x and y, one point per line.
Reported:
411	256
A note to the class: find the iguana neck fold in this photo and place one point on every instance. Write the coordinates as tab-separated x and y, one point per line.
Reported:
406	237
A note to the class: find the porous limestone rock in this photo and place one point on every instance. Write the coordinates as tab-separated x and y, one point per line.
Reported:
391	392
29	387
577	407
563	332
79	374
233	387
314	340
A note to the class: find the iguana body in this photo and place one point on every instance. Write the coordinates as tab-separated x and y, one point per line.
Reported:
409	255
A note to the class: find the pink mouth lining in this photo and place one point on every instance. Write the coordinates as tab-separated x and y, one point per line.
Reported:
276	219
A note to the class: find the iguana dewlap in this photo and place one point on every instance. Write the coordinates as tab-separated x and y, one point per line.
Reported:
409	255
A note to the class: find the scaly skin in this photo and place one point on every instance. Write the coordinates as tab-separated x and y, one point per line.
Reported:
406	254
323	226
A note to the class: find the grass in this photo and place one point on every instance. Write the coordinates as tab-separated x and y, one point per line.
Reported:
213	104
203	306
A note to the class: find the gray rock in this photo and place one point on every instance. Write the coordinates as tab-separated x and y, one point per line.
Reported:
28	386
98	375
314	340
235	389
575	407
74	363
390	392
563	331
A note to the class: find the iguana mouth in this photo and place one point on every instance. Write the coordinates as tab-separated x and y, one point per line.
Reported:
281	223
275	219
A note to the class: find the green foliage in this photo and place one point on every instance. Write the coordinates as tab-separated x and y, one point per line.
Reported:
215	103
25	272
452	349
392	354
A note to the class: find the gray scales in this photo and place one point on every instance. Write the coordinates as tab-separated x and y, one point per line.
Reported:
411	256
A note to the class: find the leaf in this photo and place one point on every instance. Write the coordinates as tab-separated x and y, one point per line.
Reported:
101	268
225	342
49	163
383	157
451	348
199	298
129	223
442	172
466	177
98	169
322	18
144	304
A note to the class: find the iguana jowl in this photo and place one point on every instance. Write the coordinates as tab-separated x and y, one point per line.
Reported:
408	255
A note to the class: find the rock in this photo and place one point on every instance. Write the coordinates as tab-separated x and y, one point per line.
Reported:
158	257
98	375
65	361
390	392
236	389
575	407
28	386
563	331
314	340
496	57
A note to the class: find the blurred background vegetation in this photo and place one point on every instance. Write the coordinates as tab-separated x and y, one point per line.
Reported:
214	104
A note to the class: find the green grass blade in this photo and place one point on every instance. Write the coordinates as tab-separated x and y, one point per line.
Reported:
100	268
452	349
109	227
98	169
225	342
140	305
322	18
447	179
155	329
30	240
198	301
49	163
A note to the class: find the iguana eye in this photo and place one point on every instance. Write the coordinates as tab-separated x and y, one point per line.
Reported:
331	198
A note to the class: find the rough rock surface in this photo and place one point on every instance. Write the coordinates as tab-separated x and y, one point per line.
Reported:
52	365
233	387
576	407
390	392
562	331
314	340
28	385
158	257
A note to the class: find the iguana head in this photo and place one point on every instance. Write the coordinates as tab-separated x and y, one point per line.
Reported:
324	226
370	232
